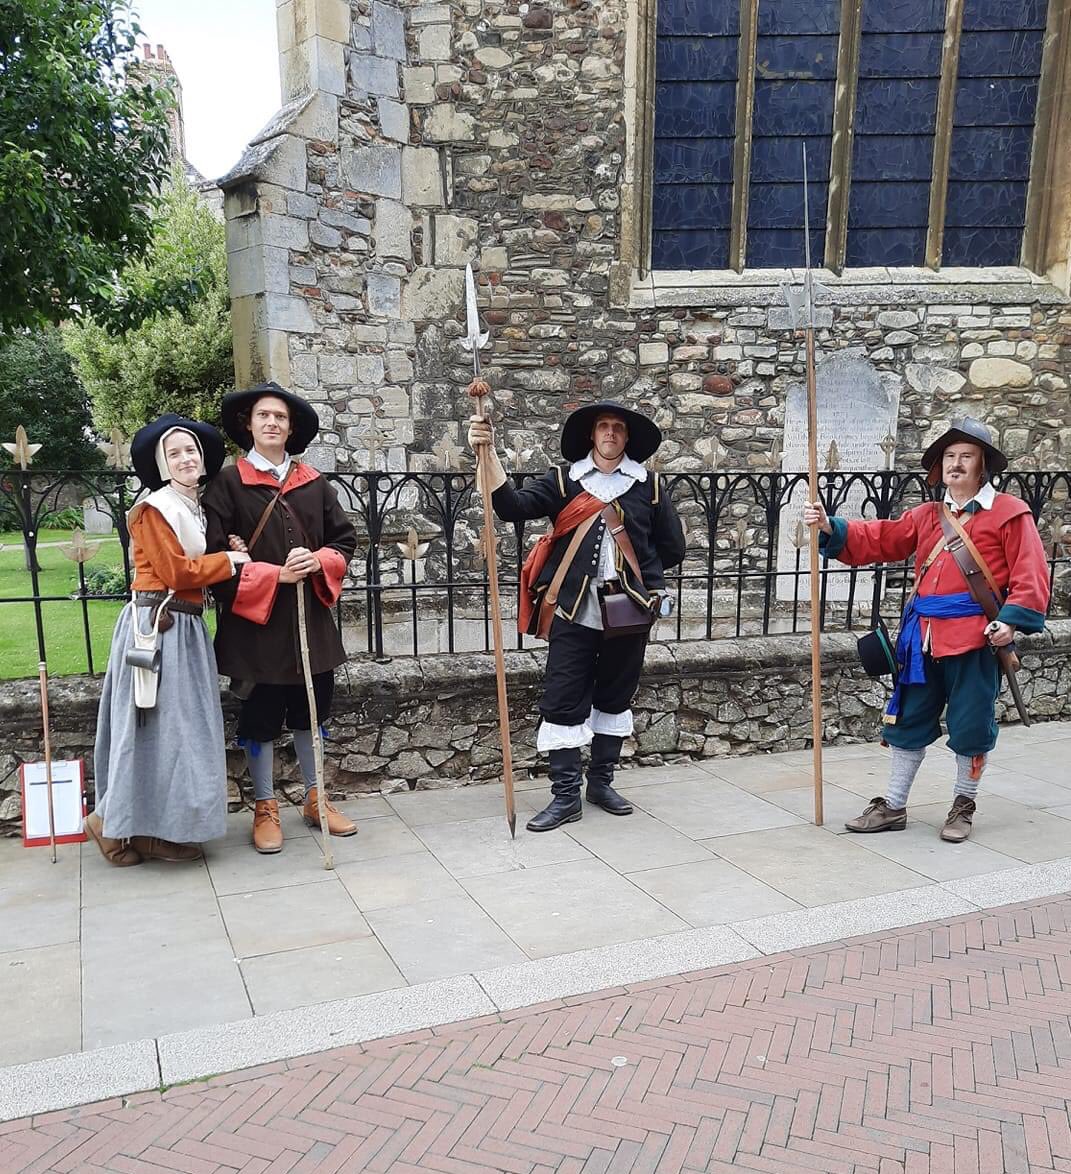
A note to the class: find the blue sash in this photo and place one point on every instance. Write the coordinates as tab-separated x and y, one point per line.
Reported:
909	655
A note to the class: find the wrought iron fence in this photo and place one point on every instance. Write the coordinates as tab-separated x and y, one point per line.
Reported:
417	584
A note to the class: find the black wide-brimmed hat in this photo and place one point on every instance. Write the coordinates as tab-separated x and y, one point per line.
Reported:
877	651
304	422
644	436
143	447
965	430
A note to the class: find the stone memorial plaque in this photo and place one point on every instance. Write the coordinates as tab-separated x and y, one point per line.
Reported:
857	413
95	518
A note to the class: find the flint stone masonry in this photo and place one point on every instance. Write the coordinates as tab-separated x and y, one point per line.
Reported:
430	722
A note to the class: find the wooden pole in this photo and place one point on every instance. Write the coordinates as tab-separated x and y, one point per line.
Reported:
42	672
491	557
816	617
314	725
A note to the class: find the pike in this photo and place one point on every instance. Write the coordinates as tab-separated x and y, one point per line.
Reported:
478	389
801	308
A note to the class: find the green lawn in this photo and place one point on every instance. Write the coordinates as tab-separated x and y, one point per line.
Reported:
62	621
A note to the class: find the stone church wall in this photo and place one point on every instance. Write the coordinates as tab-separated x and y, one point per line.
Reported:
418	137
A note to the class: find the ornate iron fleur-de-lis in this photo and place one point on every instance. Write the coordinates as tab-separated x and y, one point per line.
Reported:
833	457
799	538
116	450
449	453
374	440
78	550
412	548
22	450
888	447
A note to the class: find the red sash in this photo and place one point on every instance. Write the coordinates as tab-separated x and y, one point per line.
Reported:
582	507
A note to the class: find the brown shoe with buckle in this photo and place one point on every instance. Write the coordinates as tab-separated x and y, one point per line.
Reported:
337	823
117	852
153	848
267	830
958	821
879	817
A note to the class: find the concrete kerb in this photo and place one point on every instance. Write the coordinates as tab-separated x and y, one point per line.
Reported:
145	1065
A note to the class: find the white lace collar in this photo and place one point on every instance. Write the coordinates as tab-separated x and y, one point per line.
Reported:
578	470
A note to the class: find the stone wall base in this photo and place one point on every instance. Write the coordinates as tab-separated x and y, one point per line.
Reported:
430	722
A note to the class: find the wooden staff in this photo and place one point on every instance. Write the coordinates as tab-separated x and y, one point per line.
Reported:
42	672
314	724
478	389
812	488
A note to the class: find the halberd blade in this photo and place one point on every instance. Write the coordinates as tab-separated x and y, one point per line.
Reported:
473	339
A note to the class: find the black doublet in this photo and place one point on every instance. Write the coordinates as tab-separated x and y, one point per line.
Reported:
649	517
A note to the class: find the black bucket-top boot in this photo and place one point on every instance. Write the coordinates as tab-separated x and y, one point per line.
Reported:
565	780
605	751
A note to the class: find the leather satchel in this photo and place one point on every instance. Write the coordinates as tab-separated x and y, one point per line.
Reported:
621	614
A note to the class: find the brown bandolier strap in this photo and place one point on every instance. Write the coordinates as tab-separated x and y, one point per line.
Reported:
549	603
262	521
616	527
971	564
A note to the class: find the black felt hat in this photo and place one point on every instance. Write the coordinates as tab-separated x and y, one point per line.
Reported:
966	430
143	447
877	651
304	422
644	436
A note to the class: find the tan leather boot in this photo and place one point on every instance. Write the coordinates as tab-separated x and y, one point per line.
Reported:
153	848
267	831
878	816
959	820
117	852
337	823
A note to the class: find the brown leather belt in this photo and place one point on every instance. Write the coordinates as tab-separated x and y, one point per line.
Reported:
155	598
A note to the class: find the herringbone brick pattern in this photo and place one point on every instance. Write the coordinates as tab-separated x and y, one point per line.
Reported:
942	1048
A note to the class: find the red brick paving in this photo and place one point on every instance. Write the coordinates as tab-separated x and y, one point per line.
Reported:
939	1048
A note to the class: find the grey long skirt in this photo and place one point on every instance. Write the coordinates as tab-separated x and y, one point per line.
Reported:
168	776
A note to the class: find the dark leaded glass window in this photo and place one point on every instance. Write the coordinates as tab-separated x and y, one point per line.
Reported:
993	128
795	82
908	121
895	113
695	123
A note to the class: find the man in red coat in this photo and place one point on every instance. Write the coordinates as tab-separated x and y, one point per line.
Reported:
945	652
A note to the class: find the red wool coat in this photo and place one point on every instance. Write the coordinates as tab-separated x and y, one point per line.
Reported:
1006	537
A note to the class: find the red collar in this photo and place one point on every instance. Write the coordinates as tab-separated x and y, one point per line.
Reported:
300	474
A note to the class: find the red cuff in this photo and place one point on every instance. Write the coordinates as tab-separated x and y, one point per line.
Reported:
257	588
328	584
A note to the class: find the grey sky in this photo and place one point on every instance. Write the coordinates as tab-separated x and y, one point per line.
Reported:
226	57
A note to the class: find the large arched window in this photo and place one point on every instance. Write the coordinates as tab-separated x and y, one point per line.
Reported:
921	120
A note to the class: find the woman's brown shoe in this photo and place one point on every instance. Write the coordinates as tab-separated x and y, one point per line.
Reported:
337	823
117	852
267	831
153	848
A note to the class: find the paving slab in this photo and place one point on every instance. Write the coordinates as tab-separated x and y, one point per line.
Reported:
921	849
483	847
438	939
633	842
148	968
377	839
708	807
565	907
40	1003
292	918
813	866
390	881
711	892
1011	828
104	884
318	974
423	808
39	900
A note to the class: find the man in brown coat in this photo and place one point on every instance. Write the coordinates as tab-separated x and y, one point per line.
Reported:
290	520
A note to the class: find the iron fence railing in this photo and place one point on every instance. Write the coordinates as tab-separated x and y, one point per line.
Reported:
417	584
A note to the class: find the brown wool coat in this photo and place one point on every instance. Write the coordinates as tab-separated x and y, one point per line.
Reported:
268	652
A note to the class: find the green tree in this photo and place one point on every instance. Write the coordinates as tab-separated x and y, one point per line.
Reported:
179	360
40	390
84	146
